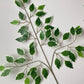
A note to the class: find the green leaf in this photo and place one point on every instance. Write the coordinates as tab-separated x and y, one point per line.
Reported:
72	56
32	7
32	48
33	74
79	48
48	33
78	30
52	43
6	72
72	30
23	38
23	30
40	13
21	16
15	22
18	3
25	1
52	39
56	33
42	35
65	53
48	20
68	64
65	36
80	54
38	22
20	76
45	72
41	7
1	68
57	63
49	27
20	51
9	59
27	81
38	80
20	60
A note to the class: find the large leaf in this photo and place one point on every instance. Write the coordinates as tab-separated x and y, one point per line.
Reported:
79	48
65	53
32	48
9	59
57	63
40	13
21	16
78	30
48	33
80	54
49	27
15	22
45	72
6	72
18	3
20	76
72	30
52	43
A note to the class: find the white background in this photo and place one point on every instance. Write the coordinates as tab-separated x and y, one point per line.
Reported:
67	13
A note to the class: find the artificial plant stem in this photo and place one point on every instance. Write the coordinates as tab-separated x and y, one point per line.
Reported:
41	46
61	48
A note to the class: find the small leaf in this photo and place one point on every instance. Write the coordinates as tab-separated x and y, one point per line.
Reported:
32	48
20	76
18	3
6	72
48	20
40	13
49	27
1	68
33	74
68	64
41	7
56	33
65	53
72	30
15	22
23	30
20	60
25	1
52	43
79	48
72	56
23	38
80	54
78	30
38	80
57	63
52	39
42	35
21	16
20	51
45	72
38	22
27	81
48	33
65	36
9	59
32	7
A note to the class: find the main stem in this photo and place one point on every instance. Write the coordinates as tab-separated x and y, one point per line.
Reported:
41	46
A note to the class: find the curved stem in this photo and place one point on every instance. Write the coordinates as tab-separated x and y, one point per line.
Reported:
61	48
40	46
